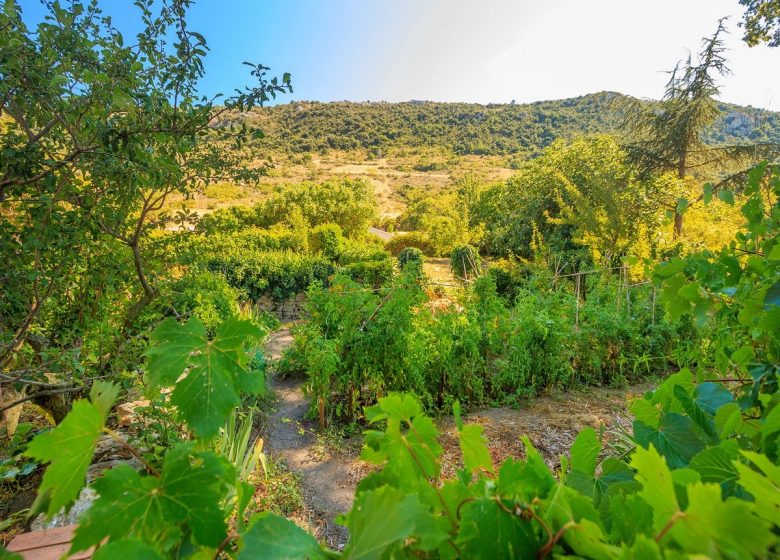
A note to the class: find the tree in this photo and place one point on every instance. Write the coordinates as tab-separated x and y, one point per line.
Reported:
95	136
761	22
668	137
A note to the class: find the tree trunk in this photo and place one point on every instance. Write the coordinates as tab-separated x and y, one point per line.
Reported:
678	217
678	224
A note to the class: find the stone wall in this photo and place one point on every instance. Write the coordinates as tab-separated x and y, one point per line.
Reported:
290	309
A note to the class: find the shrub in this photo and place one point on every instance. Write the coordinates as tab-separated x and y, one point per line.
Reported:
326	239
465	262
410	254
371	273
199	293
415	239
281	274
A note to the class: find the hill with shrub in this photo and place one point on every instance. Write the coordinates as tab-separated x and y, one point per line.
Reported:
469	128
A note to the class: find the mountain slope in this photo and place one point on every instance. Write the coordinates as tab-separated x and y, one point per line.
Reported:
466	128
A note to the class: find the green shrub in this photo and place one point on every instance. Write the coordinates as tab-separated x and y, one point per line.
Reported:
415	239
410	254
326	239
536	354
199	293
281	274
370	273
465	262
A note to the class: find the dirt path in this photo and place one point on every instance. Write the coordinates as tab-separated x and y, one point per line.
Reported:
328	478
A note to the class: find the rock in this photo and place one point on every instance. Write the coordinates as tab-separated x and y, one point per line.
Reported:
126	411
61	519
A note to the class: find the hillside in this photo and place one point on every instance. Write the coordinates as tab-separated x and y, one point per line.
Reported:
472	129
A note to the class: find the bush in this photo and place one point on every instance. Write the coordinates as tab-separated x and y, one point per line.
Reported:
326	239
415	239
465	262
410	254
371	273
280	274
201	294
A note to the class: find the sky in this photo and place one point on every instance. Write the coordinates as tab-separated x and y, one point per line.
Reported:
484	51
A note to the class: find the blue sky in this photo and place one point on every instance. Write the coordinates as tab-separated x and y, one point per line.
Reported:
465	50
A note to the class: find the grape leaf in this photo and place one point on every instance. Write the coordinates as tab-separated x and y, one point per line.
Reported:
764	485
716	464
188	493
473	445
127	548
630	516
214	371
379	520
487	531
276	538
585	452
675	438
708	524
69	448
653	474
694	411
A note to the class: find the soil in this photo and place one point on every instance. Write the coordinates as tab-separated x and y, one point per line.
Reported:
329	474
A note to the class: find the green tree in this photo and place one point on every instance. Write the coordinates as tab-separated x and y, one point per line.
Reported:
761	22
669	137
96	135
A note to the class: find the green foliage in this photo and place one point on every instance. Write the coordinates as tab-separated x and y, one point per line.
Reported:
208	375
760	22
374	273
279	274
518	129
418	240
348	203
408	255
68	448
581	193
96	136
732	293
326	239
465	262
358	344
200	294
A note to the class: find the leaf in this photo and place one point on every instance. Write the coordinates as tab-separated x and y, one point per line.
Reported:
674	439
69	448
695	413
456	414
379	520
585	452
646	411
525	479
631	515
174	343
711	396
187	494
487	531
276	538
707	197
473	445
726	196
653	474
708	524
214	371
763	484
716	464
126	548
